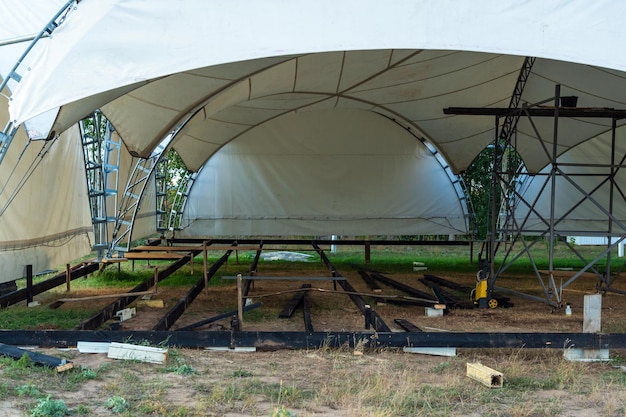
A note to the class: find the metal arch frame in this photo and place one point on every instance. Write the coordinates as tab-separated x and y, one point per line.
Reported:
175	216
501	181
143	170
7	135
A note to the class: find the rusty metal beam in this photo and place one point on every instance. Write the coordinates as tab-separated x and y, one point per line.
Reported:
580	112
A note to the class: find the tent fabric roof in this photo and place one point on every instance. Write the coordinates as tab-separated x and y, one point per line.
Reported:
407	61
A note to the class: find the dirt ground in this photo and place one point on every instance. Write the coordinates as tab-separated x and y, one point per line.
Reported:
313	370
333	311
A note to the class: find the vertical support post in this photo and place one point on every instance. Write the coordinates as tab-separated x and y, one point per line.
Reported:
553	173
204	263
191	262
29	284
367	252
68	273
607	273
494	205
156	278
239	300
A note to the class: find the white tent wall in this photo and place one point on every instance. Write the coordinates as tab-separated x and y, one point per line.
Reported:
307	174
45	219
145	220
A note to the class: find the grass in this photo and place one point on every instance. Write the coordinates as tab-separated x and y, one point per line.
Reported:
380	383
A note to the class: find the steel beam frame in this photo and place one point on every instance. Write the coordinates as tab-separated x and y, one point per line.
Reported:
553	292
314	340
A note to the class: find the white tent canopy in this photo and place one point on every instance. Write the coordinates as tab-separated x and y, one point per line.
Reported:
308	174
355	85
403	64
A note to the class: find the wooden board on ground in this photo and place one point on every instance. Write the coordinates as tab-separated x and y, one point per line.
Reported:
137	353
485	375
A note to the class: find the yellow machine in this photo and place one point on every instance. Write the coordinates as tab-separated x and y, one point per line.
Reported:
481	295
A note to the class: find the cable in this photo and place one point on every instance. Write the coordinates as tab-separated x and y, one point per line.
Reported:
31	169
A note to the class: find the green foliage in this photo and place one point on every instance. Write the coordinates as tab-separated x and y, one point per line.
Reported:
478	180
182	369
281	411
116	404
24	362
27	390
240	373
47	407
21	318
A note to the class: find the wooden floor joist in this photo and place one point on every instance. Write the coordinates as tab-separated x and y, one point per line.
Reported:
109	311
190	248
371	283
150	256
377	321
219	317
306	314
402	287
179	308
295	301
77	271
407	325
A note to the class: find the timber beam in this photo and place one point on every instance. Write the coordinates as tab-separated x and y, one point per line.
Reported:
402	287
59	279
294	303
351	242
580	112
175	312
109	311
377	321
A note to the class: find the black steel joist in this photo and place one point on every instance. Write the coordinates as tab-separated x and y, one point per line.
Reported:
60	279
373	316
107	313
175	312
313	340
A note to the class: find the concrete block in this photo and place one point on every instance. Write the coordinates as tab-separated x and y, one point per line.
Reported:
592	313
586	355
433	312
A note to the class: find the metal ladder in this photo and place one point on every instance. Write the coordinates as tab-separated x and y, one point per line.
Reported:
102	159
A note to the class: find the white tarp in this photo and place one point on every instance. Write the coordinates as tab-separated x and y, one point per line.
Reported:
44	209
303	175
